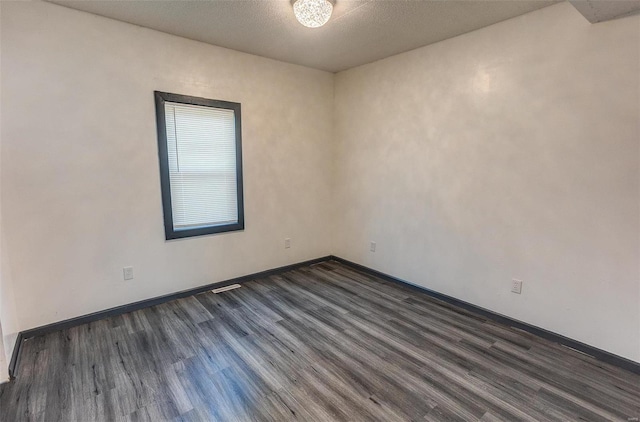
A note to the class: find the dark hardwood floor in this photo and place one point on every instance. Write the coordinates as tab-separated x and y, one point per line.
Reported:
320	343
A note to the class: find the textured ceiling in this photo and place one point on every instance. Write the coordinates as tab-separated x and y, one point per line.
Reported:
359	31
603	10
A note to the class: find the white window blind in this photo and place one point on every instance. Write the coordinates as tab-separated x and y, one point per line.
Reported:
201	146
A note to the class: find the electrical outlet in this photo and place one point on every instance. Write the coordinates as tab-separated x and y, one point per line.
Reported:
127	272
516	286
287	243
372	247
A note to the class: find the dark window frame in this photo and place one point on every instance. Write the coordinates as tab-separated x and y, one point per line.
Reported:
165	183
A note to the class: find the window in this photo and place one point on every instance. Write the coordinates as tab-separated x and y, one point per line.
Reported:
199	144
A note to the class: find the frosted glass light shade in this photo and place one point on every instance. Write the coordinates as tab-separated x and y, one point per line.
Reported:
312	13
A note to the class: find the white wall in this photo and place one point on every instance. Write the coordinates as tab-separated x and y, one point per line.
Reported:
509	152
8	318
9	326
3	359
80	177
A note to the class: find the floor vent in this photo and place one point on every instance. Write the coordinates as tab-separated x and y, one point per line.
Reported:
576	350
225	288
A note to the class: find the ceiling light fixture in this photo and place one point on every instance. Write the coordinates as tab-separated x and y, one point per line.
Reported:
312	13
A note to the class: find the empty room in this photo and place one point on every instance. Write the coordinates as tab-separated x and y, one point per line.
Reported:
319	210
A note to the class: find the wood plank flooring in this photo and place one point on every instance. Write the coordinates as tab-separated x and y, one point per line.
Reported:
319	343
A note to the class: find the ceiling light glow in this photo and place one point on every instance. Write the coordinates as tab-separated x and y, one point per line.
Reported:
313	13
